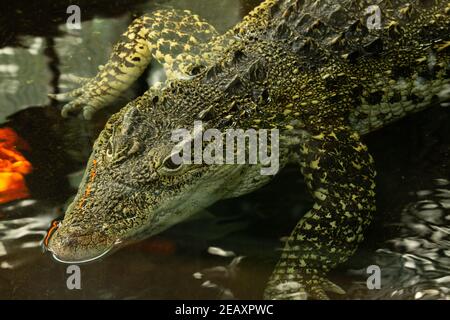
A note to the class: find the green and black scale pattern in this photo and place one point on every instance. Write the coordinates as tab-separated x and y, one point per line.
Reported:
312	69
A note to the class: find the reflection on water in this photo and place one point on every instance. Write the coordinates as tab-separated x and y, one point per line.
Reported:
228	251
424	248
415	263
215	278
24	76
22	227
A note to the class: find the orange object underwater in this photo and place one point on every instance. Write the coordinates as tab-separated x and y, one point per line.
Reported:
13	166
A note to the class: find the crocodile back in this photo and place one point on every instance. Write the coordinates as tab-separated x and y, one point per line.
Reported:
350	29
387	58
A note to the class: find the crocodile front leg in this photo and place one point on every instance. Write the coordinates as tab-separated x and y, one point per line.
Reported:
340	176
176	39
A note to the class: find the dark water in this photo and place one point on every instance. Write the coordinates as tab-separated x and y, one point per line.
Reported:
409	239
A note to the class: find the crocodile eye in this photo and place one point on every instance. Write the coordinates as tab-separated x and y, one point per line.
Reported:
170	165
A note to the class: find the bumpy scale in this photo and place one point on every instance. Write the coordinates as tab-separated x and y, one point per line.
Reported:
313	69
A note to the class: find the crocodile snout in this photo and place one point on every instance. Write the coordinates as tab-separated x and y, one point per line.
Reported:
76	245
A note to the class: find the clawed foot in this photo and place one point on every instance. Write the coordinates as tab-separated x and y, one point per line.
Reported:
79	99
91	95
299	288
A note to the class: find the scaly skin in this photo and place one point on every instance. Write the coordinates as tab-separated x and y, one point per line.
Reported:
313	70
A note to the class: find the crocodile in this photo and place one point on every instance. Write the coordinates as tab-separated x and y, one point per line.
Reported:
322	72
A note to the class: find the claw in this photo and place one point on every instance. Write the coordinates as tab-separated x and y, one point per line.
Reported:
65	96
88	112
332	287
72	106
76	79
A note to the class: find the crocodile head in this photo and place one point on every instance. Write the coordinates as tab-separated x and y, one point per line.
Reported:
132	188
